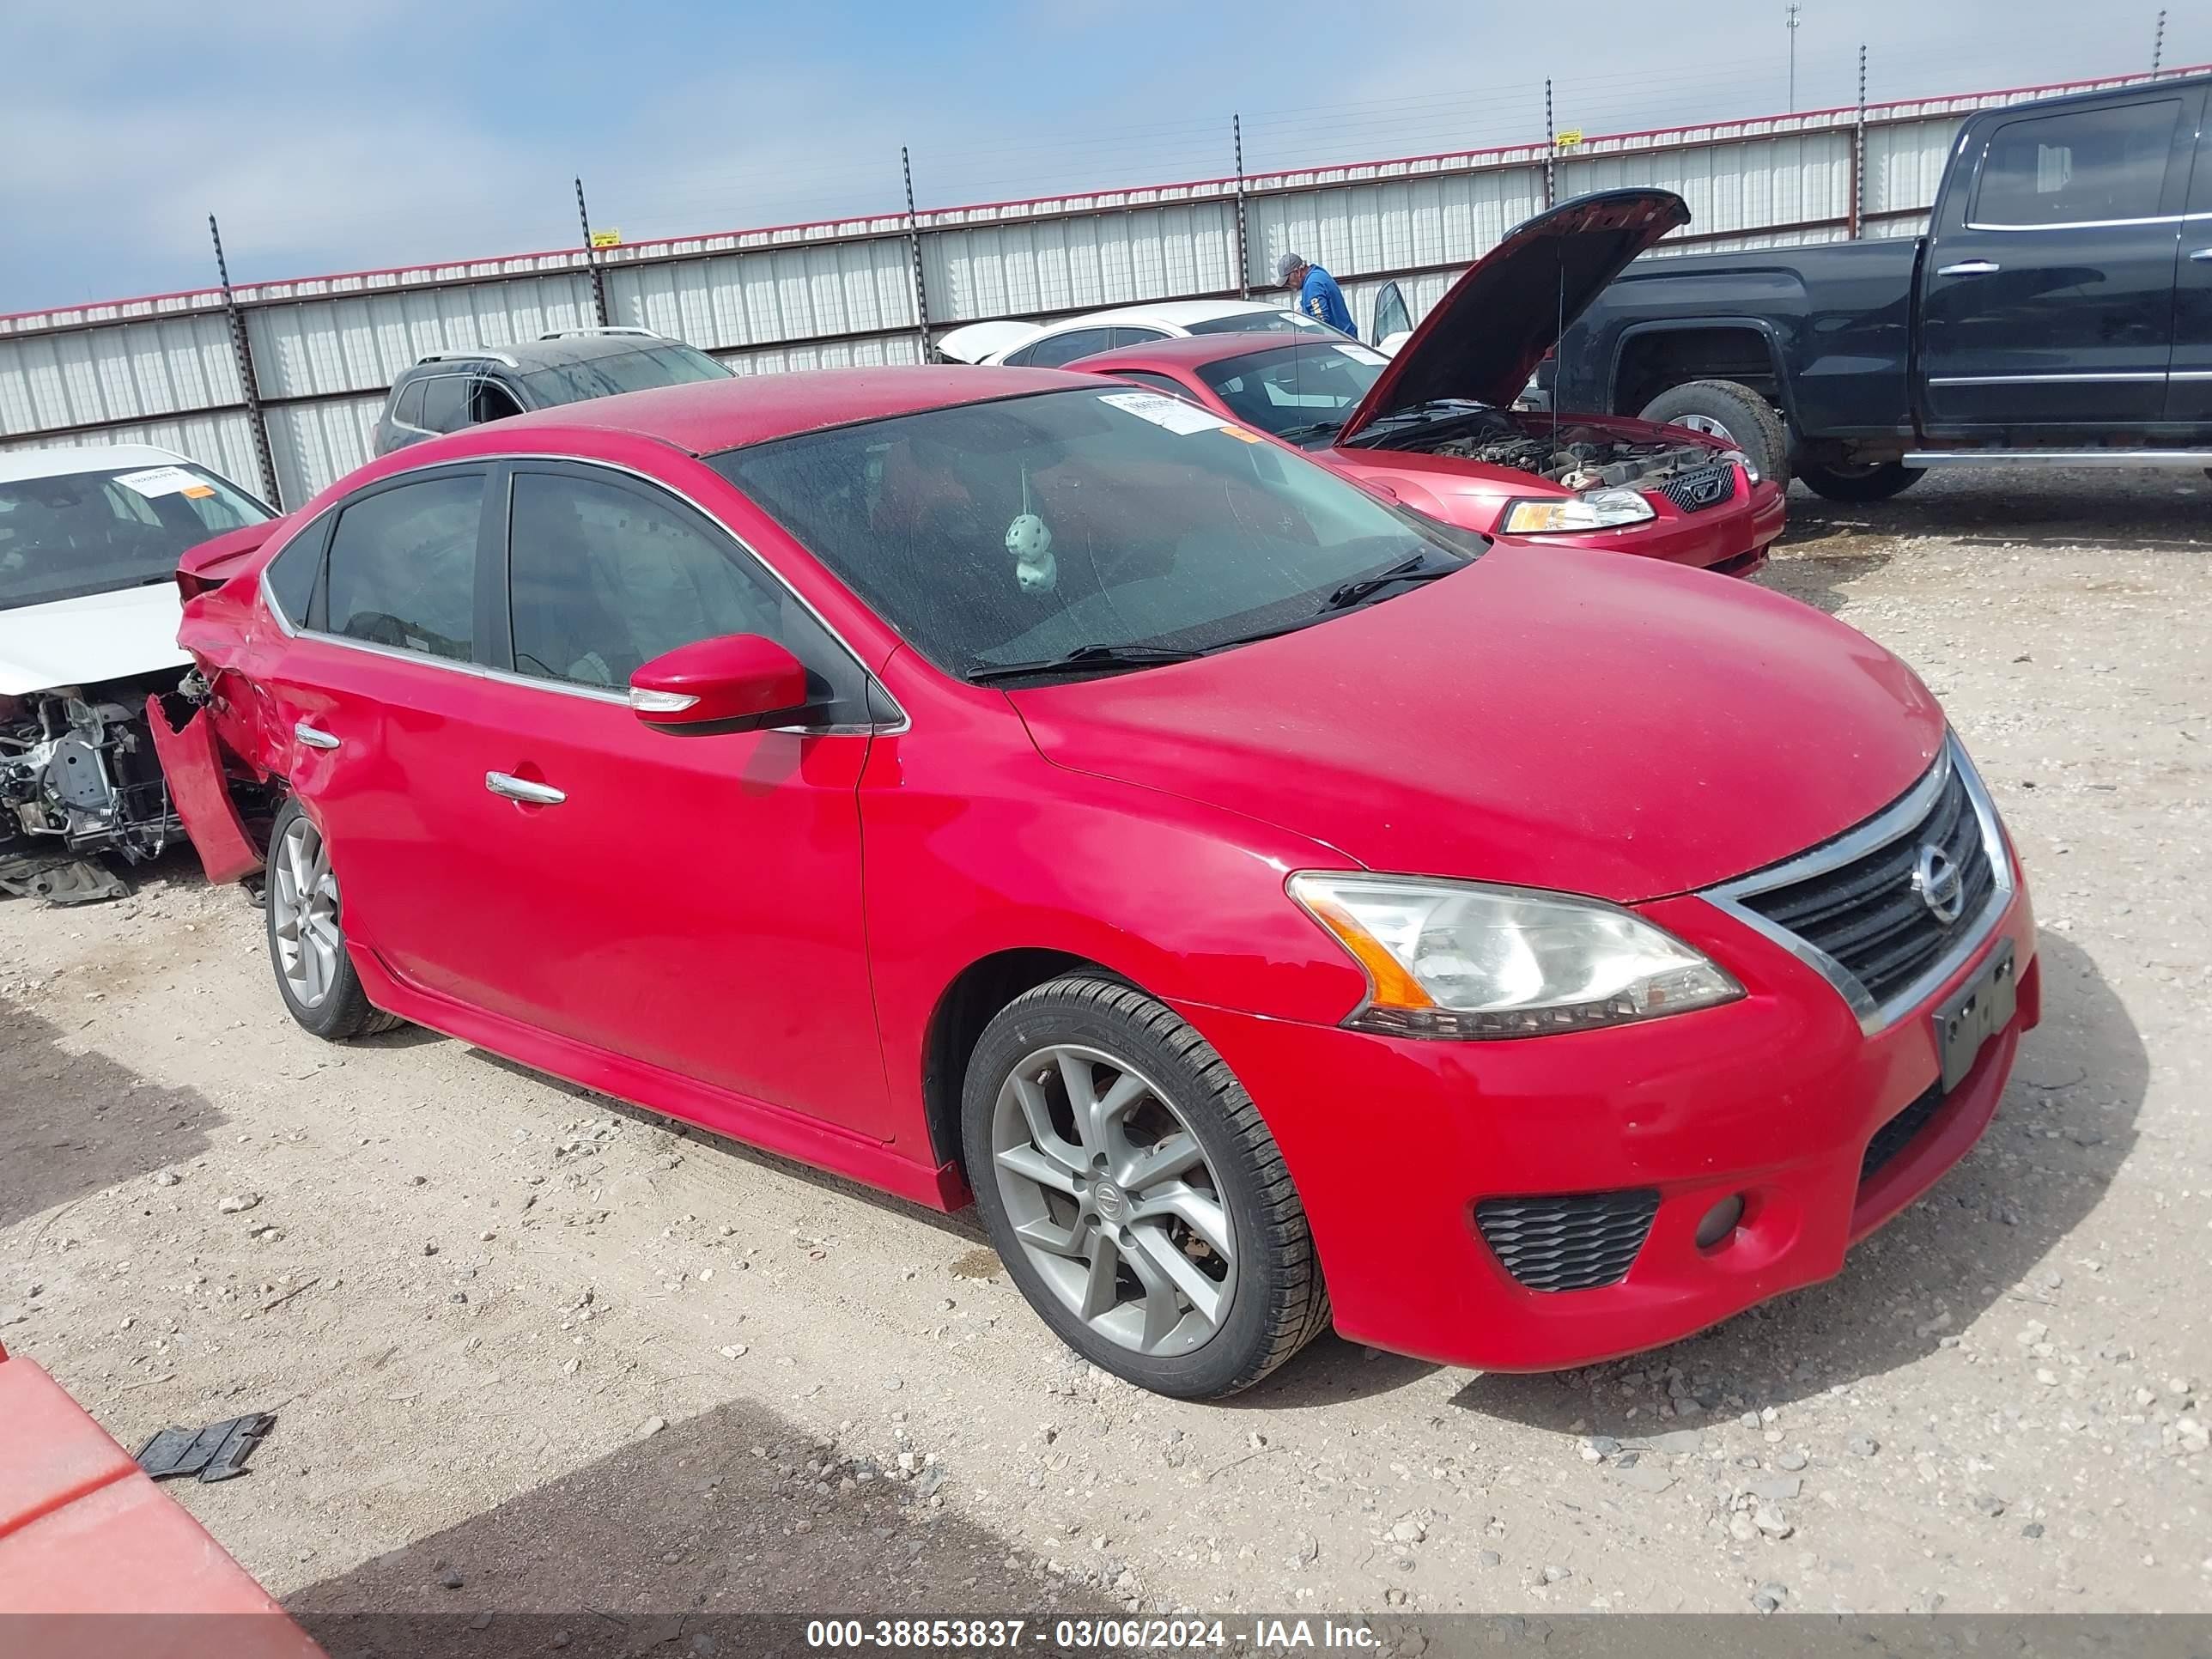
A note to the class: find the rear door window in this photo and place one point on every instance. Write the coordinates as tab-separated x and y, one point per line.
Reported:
1055	349
445	403
2089	167
402	568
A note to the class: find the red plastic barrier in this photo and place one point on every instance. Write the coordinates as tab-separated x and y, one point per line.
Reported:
96	1562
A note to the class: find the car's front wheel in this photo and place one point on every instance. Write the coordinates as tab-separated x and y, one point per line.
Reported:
306	937
1134	1193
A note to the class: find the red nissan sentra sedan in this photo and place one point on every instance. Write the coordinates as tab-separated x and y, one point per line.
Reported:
1434	425
1275	909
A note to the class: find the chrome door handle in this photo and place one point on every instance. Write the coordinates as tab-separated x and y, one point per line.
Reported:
313	736
2203	256
522	789
1971	268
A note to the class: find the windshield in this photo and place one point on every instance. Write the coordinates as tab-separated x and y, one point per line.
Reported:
1264	322
1298	390
74	534
1022	530
662	364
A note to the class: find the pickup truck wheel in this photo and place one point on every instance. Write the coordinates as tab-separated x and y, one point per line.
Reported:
1734	414
307	942
1868	481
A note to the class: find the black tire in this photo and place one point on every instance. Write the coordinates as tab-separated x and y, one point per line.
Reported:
344	1011
1279	1302
1748	420
1876	483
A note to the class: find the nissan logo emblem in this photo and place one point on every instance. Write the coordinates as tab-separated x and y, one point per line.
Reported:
1936	878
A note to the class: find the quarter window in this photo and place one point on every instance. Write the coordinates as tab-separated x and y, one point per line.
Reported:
2087	167
401	567
409	410
604	579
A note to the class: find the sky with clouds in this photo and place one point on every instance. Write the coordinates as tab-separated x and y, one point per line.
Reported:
332	137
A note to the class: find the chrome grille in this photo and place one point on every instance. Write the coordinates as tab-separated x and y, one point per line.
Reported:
1705	487
1858	908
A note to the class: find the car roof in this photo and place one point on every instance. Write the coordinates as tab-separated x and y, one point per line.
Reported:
705	417
1193	350
90	458
1174	313
546	354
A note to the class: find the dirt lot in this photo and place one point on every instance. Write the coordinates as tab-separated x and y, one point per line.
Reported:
532	1350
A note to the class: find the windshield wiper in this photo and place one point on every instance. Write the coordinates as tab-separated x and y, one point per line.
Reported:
1314	429
1414	569
1098	654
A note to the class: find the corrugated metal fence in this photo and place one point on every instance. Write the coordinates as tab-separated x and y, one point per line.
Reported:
323	349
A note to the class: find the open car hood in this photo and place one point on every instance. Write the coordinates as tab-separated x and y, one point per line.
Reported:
1483	340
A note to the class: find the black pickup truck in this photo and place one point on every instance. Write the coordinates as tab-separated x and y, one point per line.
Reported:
2058	312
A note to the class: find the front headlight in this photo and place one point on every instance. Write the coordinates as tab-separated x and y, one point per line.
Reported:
1595	509
1461	959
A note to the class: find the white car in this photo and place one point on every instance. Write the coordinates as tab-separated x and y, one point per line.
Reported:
89	540
1047	345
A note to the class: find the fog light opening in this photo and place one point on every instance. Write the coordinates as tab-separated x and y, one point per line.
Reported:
1719	1221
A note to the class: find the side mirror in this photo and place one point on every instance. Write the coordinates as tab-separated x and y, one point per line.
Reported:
734	682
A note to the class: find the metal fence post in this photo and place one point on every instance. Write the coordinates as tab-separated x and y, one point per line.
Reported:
241	349
1243	257
2158	43
1551	147
914	248
1859	156
592	258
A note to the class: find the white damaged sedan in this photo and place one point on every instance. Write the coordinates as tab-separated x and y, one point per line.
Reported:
89	541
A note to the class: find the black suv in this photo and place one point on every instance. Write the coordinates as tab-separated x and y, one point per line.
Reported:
449	389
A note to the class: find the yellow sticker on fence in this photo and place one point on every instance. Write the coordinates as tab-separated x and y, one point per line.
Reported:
606	239
1569	137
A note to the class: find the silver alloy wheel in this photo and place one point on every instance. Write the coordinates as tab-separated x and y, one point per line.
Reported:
1711	426
303	913
1113	1200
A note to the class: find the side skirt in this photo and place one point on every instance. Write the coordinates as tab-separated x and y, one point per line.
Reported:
772	1129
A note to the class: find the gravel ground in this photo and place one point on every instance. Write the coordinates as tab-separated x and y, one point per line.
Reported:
529	1350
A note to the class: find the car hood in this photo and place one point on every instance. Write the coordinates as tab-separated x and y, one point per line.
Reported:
1546	718
89	640
1483	340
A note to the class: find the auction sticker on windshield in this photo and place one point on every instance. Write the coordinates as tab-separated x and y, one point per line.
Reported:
166	481
1174	414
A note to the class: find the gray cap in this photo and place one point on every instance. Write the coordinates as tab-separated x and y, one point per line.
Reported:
1287	264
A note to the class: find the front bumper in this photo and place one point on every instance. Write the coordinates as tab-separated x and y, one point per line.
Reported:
1776	1097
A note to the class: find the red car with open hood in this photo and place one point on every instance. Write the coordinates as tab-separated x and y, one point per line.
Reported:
1274	908
1434	425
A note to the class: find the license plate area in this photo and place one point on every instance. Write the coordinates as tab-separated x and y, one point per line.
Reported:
1976	1011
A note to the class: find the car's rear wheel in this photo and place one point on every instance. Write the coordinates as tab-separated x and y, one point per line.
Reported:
306	937
1863	481
1732	413
1136	1196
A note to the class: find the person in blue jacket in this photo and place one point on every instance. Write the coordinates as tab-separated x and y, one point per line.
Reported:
1318	295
